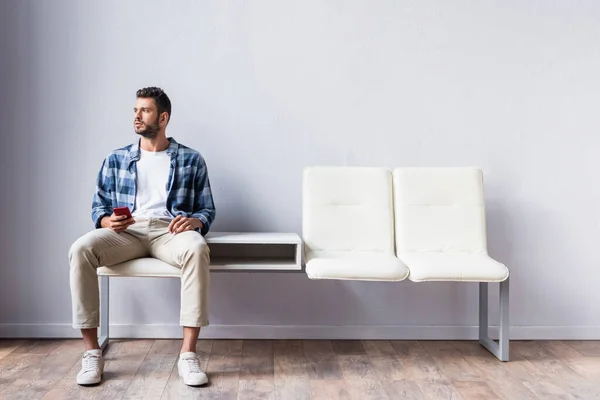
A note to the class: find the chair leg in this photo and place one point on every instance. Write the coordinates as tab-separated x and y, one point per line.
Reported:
499	349
104	297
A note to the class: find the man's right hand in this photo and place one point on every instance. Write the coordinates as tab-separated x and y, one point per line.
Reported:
117	223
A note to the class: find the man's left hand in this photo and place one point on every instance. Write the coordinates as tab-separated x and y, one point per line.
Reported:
182	224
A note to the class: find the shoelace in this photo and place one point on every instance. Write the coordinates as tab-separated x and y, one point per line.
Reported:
90	362
193	365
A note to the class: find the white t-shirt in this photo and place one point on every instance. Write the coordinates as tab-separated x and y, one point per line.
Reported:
152	174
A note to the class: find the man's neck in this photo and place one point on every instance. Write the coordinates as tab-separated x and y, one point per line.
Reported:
158	143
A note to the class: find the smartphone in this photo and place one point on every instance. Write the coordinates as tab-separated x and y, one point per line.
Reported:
122	211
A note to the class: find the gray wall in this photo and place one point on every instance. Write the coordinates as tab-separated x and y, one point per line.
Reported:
264	89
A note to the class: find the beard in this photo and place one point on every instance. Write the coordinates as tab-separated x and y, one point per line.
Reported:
148	131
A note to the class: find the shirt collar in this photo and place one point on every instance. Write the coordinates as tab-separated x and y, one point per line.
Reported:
134	152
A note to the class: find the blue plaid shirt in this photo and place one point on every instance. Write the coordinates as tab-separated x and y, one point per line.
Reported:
188	187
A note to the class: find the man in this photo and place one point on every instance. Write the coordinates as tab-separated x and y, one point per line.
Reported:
166	186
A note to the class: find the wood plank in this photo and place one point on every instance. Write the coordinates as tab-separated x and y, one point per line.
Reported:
385	360
25	389
127	361
292	370
111	351
14	365
348	347
586	347
322	360
67	387
290	360
39	346
292	388
7	346
406	390
475	390
329	390
586	366
165	346
257	389
223	370
151	378
360	376
50	370
437	391
558	372
533	377
418	364
497	377
257	360
450	361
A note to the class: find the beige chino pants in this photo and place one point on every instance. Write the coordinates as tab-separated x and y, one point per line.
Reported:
146	238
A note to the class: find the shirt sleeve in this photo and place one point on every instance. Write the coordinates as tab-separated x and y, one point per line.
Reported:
102	203
204	207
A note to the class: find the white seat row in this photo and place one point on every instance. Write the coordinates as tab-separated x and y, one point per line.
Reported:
424	224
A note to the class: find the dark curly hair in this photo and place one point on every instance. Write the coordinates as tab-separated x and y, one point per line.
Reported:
162	101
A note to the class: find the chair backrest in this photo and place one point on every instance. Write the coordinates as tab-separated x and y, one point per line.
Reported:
439	209
347	209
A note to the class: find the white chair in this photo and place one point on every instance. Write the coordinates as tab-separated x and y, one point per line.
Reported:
141	267
441	236
348	224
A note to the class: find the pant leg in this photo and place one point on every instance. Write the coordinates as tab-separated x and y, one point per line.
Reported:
101	247
188	251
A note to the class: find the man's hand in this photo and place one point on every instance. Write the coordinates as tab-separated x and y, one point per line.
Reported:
117	223
182	224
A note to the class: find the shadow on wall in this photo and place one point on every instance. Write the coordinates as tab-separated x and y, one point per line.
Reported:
289	299
511	236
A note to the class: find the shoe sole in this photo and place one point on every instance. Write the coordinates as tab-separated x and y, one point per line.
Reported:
194	384
91	383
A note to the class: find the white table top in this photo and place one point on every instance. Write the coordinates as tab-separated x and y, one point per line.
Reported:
253	237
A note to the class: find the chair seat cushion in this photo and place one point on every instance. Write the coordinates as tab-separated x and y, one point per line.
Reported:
349	266
148	267
446	266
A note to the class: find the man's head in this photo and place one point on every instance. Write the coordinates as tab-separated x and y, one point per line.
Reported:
152	112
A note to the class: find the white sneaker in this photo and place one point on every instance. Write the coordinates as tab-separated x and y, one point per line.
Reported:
92	367
189	369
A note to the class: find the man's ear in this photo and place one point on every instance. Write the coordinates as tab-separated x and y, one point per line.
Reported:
164	118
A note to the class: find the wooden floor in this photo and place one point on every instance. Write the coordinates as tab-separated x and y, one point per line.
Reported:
313	369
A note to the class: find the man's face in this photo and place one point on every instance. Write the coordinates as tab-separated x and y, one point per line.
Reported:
146	118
